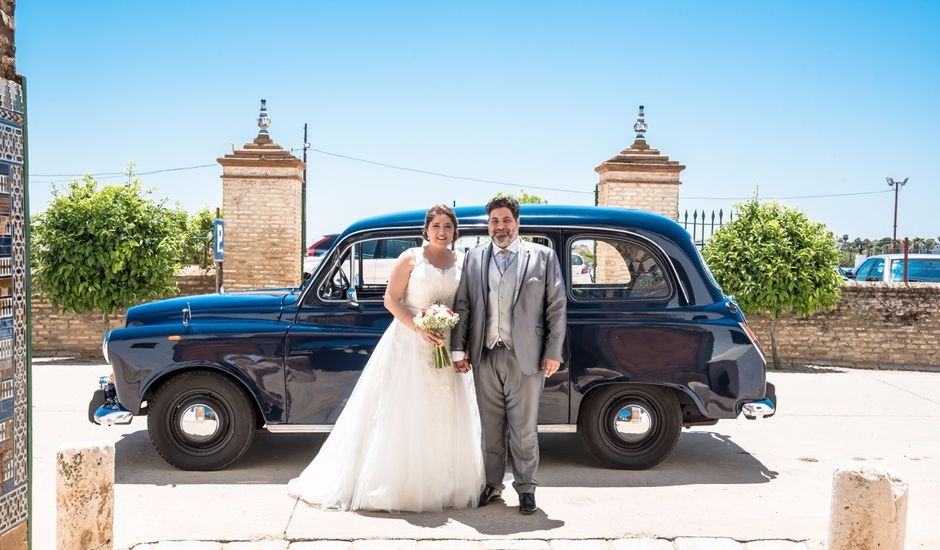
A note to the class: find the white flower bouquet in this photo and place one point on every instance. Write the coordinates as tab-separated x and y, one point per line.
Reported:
438	318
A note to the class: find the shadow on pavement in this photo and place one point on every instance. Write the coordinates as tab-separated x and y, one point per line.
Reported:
497	518
700	457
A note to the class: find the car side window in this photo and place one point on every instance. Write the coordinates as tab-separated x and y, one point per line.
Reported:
877	271
392	248
616	269
366	265
863	270
335	285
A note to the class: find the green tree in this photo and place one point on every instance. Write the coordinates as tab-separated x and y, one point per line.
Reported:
198	237
773	259
524	198
105	250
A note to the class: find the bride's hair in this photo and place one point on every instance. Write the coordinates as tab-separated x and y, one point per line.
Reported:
437	210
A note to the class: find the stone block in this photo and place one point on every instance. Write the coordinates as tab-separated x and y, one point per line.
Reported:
181	545
85	495
449	545
775	545
574	544
641	544
869	508
257	545
524	544
385	544
703	543
321	545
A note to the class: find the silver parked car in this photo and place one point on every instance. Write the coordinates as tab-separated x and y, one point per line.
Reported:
923	268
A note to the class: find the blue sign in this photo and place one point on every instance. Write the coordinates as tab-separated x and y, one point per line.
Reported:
219	233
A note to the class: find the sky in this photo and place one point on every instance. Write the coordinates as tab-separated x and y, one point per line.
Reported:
785	100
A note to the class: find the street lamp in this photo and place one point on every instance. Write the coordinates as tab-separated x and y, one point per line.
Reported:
897	187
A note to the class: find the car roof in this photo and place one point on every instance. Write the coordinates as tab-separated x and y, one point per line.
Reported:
540	215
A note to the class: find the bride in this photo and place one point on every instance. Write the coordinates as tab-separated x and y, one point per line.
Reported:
408	438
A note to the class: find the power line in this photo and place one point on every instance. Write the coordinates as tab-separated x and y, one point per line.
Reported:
107	175
790	197
443	175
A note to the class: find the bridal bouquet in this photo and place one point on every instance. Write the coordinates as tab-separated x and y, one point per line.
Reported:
437	318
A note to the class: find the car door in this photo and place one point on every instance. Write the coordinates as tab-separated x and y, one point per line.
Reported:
629	323
333	336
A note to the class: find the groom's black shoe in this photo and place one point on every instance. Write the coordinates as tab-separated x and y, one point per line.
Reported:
489	494
527	503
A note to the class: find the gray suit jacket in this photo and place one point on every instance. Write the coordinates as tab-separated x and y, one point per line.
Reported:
539	306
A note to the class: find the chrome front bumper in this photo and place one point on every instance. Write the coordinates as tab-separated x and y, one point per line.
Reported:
104	408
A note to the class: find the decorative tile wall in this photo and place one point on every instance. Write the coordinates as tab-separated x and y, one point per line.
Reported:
13	330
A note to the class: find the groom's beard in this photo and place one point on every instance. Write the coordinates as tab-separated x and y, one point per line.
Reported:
504	240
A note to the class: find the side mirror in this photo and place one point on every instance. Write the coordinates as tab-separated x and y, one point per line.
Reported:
351	293
850	275
351	296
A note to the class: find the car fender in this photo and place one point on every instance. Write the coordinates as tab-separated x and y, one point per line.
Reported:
149	386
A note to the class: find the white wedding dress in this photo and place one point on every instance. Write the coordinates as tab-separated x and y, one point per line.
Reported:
408	438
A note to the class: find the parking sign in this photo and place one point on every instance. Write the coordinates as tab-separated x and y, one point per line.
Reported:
219	234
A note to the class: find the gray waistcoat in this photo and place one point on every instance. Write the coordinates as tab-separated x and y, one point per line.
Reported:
499	304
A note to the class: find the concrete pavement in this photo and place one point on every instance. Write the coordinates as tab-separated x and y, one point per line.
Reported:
738	481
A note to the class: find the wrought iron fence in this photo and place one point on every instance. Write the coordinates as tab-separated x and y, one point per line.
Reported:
703	224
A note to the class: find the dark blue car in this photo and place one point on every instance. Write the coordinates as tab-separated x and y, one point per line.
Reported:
652	344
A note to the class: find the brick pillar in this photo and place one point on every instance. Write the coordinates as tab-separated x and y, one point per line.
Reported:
640	178
261	206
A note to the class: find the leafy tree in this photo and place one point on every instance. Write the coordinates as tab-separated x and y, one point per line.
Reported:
525	198
198	238
104	250
773	259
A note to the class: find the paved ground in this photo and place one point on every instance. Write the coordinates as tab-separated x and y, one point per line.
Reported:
741	480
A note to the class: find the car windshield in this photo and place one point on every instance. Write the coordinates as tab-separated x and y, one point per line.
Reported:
918	269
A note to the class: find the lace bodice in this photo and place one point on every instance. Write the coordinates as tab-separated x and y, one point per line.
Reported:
428	285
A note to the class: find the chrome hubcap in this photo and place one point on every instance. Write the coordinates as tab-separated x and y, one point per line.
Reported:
633	422
199	422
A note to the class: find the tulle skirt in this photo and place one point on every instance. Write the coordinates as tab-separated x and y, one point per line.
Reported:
408	438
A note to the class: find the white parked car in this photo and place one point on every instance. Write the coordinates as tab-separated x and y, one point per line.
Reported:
924	268
580	271
315	253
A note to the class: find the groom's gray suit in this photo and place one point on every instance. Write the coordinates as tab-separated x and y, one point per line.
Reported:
510	320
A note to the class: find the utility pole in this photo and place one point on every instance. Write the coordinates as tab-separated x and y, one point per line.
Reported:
303	208
897	187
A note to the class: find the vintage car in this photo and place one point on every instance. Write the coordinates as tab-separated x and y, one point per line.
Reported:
652	344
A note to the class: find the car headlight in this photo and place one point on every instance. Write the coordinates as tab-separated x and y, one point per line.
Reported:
104	347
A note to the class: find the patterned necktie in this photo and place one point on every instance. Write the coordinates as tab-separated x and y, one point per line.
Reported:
503	256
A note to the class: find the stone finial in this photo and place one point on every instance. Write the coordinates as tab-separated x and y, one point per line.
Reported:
640	128
263	123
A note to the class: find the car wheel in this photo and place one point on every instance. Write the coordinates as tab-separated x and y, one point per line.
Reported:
630	427
201	421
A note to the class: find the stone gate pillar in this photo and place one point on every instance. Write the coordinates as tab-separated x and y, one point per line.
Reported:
640	178
261	206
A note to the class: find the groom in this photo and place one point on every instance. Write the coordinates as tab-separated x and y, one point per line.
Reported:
511	303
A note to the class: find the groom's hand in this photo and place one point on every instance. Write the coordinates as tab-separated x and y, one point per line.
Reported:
550	366
462	366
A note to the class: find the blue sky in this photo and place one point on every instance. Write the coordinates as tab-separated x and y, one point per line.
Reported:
782	98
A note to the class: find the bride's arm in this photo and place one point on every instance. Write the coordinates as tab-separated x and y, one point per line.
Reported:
395	293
